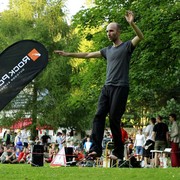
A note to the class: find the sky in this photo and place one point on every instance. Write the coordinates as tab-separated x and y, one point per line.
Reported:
3	4
72	5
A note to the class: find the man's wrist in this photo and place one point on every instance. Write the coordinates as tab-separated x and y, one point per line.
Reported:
131	23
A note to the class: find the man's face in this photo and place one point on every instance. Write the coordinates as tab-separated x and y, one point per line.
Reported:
170	118
112	32
157	119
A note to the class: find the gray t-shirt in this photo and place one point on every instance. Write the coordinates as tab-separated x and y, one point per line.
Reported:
118	59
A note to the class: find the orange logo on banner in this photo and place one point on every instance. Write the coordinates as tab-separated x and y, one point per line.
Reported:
34	54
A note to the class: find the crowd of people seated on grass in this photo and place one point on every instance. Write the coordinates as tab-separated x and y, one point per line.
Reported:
13	155
140	144
15	148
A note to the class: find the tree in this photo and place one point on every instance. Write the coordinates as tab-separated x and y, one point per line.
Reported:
154	66
38	20
68	89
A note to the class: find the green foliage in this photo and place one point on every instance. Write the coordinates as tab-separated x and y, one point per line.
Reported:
171	107
45	22
154	75
68	89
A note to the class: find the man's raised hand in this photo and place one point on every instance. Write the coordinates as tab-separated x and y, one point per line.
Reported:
129	16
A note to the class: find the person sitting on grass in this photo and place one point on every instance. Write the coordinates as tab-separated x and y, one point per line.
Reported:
1	149
16	155
52	153
22	155
7	155
79	156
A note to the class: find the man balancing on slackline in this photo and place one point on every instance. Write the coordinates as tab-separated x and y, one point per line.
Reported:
114	93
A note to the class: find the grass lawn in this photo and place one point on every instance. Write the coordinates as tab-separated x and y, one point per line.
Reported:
27	172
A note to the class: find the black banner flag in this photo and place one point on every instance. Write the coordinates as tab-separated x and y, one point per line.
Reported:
20	63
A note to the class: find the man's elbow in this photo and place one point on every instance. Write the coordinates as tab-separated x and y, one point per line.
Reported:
141	37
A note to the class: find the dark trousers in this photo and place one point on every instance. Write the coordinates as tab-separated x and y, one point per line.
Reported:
147	152
112	101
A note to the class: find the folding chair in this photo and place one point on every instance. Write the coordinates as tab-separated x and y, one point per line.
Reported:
108	151
127	158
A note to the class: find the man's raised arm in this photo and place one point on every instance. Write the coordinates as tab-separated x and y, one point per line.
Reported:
96	54
139	35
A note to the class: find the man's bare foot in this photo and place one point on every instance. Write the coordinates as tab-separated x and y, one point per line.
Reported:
94	154
113	157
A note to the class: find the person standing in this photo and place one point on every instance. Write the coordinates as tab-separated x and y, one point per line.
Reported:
174	141
25	138
114	93
149	144
124	140
8	138
139	143
87	145
63	136
45	138
59	140
124	134
160	134
18	140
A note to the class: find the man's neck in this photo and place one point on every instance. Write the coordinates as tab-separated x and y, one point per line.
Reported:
117	43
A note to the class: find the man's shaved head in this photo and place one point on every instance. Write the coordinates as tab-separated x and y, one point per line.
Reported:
114	25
